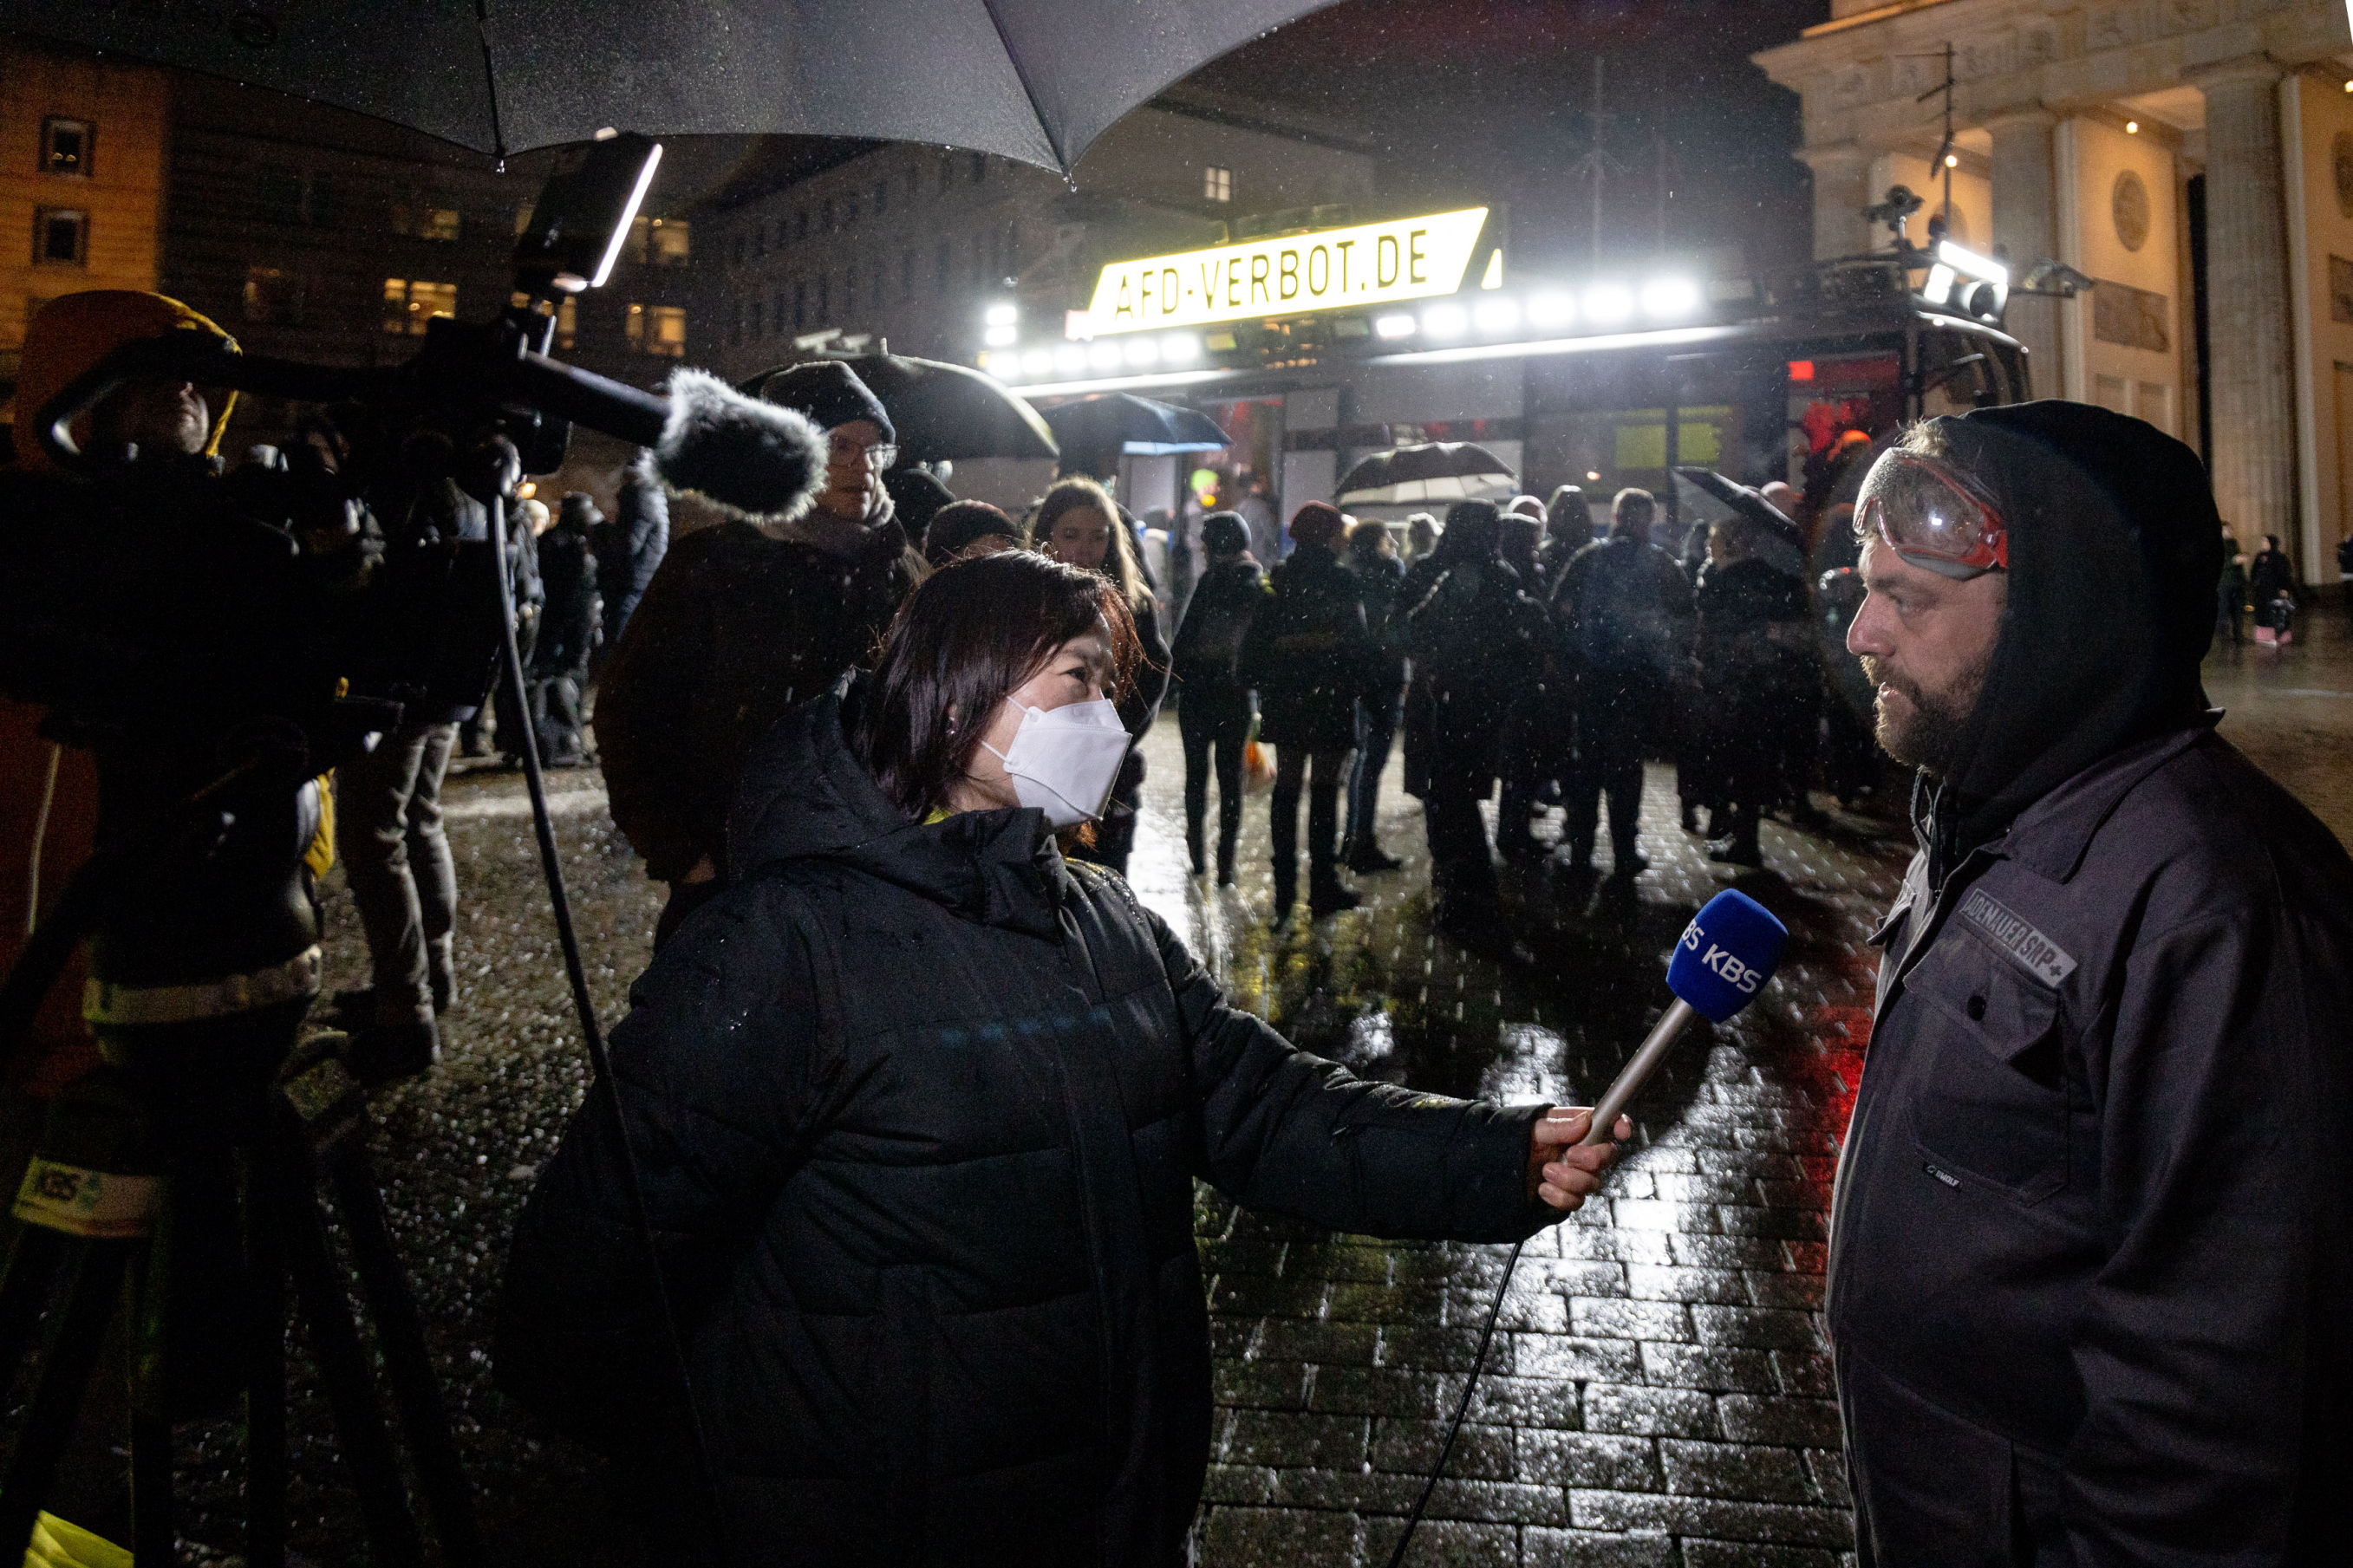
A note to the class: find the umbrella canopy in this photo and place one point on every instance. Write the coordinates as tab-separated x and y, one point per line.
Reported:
1123	422
1036	80
943	410
1782	544
1440	471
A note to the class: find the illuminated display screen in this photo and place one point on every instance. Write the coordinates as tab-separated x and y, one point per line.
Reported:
1367	264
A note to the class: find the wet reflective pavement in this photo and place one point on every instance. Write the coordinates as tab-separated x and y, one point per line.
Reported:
1657	1392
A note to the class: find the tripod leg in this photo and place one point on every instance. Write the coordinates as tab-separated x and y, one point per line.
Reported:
448	1495
23	1290
97	1282
144	1285
265	1360
344	1368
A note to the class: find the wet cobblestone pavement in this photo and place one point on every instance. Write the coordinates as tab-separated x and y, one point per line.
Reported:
1657	1393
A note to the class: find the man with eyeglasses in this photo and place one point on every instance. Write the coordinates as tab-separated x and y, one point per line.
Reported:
2091	1260
741	622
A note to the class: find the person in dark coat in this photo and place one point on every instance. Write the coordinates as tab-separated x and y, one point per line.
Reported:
2090	1257
1535	750
1757	682
2271	581
569	628
2230	593
742	622
1473	638
1080	525
1622	614
917	496
1310	657
527	518
1569	528
1213	701
919	1105
1373	562
629	549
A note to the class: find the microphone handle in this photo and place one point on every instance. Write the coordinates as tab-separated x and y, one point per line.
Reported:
1635	1073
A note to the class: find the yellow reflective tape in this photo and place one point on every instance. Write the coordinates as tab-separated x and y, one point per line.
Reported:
79	1202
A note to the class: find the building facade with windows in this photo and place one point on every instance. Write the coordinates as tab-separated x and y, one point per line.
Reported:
82	144
2194	158
918	245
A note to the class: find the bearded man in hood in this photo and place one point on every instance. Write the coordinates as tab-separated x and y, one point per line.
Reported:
2091	1264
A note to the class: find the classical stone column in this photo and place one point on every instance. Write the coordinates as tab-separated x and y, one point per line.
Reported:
2026	222
2252	362
1841	171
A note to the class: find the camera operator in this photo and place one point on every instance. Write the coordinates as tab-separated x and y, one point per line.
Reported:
742	622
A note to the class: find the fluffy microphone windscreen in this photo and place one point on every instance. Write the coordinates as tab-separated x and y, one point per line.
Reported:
1727	953
752	458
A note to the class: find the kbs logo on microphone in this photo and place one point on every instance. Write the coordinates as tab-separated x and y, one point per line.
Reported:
1740	976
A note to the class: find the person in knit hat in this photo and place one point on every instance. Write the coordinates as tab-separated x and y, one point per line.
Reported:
1310	656
2092	1250
741	622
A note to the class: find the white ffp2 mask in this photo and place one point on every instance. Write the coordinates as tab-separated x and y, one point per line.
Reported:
1063	760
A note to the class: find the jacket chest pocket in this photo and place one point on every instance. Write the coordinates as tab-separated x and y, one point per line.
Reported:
1992	1104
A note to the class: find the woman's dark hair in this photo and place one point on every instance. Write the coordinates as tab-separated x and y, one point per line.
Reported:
959	525
1120	566
969	637
1365	540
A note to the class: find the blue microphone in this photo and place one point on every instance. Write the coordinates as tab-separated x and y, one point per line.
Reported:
1726	955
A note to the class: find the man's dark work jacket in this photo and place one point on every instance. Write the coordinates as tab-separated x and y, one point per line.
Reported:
919	1110
2092	1252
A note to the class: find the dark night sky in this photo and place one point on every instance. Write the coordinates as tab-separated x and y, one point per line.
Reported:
1494	98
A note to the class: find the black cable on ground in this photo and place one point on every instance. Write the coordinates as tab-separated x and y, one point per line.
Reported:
607	1088
1462	1407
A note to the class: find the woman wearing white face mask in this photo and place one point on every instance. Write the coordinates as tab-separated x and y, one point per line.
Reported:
919	1106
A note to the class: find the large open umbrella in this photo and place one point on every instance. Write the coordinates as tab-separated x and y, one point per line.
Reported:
1033	79
1439	472
1780	541
1093	433
943	410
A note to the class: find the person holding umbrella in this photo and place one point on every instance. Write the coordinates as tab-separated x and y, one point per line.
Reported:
741	622
1310	658
1079	524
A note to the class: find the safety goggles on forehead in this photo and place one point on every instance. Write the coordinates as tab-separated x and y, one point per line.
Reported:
1933	516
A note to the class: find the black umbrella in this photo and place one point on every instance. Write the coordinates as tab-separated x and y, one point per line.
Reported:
1783	544
1093	432
1036	80
943	410
1440	471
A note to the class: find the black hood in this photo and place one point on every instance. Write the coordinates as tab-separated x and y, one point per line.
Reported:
2114	547
805	796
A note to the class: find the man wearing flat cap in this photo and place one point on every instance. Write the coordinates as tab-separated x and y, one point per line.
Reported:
741	622
2091	1263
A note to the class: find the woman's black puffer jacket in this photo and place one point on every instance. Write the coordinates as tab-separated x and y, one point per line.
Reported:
919	1110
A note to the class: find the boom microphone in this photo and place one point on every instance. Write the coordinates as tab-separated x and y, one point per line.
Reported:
1726	955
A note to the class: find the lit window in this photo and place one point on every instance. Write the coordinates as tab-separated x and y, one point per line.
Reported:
1217	185
633	326
61	238
523	219
65	147
272	294
408	304
437	223
568	322
672	244
666	330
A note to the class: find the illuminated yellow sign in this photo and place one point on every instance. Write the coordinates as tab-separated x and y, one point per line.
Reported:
1335	269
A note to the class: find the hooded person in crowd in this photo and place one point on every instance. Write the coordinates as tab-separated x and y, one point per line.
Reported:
1757	682
1535	752
569	628
919	1108
629	549
2272	580
1080	525
962	530
1569	528
1213	700
1310	657
1623	614
2091	1261
1381	577
1474	640
742	622
917	497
